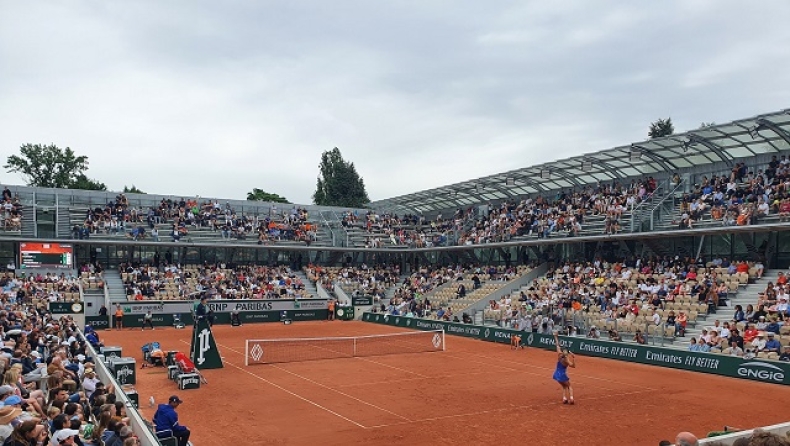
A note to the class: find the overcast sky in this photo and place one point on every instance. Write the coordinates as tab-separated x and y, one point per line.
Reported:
215	98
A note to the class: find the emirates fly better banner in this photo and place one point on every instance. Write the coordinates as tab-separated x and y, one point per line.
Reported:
772	372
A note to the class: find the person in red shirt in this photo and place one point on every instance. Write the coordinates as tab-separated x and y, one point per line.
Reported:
750	333
784	210
742	267
782	279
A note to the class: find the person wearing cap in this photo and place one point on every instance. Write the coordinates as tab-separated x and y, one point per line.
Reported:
759	344
782	307
64	437
772	345
89	382
166	421
7	415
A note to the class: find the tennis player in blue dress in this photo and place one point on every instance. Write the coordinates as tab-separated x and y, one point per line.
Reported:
565	359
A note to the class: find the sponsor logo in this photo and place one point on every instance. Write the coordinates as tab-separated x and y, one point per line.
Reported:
204	345
123	373
256	352
190	381
408	322
397	320
76	307
437	341
308	304
488	332
530	338
762	371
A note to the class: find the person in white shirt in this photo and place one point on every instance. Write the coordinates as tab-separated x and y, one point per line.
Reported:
724	332
782	306
89	382
656	319
758	344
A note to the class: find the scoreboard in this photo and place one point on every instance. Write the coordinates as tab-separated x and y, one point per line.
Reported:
45	255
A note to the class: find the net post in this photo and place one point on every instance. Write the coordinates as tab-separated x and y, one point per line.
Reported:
246	352
444	345
354	351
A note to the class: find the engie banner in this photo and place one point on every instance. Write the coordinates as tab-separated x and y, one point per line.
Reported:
756	369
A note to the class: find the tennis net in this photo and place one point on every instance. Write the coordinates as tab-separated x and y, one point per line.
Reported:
267	351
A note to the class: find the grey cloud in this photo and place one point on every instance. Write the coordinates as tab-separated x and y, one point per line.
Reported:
214	99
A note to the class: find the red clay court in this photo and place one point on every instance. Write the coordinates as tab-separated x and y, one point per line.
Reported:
476	392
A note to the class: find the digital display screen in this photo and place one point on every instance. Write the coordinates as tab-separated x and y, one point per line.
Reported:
45	255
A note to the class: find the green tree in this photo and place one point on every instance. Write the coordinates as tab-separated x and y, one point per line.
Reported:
261	195
85	183
132	190
661	128
338	183
47	166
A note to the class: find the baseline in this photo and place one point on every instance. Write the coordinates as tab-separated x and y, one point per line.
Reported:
502	409
550	369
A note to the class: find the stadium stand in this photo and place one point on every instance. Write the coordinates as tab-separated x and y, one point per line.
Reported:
173	282
719	179
363	280
662	297
55	377
11	213
446	292
38	287
190	220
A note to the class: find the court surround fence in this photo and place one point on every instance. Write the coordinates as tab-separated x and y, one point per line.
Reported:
138	425
772	372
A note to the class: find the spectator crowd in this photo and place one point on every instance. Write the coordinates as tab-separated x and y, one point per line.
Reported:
179	217
215	281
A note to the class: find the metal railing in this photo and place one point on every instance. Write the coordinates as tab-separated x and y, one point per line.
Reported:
138	424
661	207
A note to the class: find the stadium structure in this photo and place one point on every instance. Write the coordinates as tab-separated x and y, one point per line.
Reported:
697	195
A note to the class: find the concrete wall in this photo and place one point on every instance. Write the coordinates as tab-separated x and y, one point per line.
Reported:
342	297
322	294
511	286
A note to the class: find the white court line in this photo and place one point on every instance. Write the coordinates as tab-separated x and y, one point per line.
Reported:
518	370
341	393
501	409
399	380
322	385
550	369
297	395
393	367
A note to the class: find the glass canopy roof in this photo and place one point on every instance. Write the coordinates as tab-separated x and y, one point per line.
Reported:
727	143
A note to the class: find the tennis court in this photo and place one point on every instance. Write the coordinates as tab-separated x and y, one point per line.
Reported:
475	392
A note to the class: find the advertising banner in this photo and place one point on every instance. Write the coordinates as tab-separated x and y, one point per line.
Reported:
756	369
163	312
